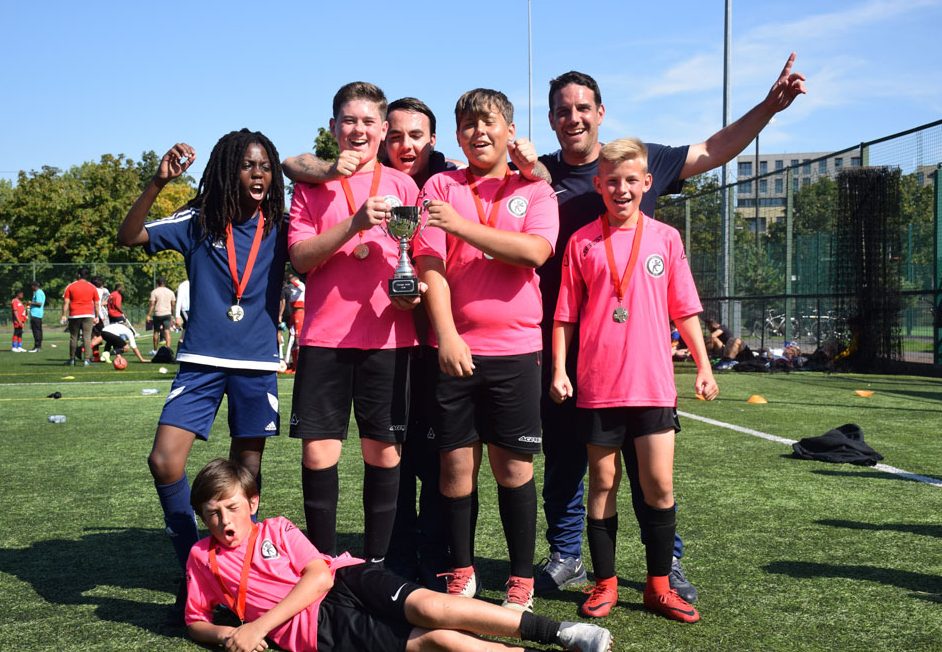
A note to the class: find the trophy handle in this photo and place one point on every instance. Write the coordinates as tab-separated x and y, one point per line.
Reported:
423	208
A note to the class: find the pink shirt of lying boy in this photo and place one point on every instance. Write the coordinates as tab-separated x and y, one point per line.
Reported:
280	554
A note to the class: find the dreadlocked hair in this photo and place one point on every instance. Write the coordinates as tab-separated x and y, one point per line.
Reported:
217	197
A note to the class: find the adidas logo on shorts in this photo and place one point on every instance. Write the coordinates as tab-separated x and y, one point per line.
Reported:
271	427
529	439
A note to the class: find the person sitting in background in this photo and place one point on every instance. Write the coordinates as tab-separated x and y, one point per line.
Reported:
679	350
720	342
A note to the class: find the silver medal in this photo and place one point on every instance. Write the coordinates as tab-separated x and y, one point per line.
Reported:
235	312
620	316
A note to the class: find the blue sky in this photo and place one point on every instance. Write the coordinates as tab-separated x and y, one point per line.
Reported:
84	79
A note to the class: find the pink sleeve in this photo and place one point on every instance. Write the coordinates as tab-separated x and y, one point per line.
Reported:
431	241
199	590
682	297
570	286
301	224
543	213
299	548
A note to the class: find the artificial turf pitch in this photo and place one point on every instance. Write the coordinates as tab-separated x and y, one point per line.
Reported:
787	554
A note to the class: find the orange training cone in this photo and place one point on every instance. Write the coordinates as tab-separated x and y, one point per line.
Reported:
755	399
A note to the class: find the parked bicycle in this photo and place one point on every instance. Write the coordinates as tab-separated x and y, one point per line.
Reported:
775	325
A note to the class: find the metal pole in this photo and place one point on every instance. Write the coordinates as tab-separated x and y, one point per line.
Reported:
757	194
937	267
529	70
727	245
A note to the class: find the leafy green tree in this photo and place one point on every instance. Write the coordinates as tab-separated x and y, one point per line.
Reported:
918	223
6	195
758	271
55	217
702	192
325	145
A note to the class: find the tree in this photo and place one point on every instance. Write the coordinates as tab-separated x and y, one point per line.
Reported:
52	216
816	207
6	195
325	145
702	193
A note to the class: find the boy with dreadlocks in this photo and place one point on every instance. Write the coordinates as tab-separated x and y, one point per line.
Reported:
233	238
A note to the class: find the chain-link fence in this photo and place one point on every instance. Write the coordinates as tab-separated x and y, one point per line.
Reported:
781	224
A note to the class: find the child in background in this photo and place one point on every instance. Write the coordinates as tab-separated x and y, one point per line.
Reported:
18	308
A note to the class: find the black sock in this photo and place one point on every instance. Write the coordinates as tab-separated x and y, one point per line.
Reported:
380	492
538	629
321	489
458	515
659	528
475	508
602	534
518	516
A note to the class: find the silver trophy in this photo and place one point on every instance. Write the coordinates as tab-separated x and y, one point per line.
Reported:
402	225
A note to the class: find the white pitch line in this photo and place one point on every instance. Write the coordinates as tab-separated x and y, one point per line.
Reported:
886	468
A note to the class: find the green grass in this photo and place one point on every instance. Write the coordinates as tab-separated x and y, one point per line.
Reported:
787	554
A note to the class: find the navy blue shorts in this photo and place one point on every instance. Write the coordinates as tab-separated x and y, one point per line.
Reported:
375	381
617	426
499	404
197	392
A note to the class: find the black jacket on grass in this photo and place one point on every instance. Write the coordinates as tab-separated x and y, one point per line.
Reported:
842	444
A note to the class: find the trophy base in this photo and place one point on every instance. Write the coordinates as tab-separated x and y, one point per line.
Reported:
404	287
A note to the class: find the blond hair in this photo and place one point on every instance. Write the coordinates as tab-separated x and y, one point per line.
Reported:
625	149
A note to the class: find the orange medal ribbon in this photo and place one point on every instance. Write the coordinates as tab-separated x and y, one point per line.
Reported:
490	219
621	285
238	286
348	191
237	604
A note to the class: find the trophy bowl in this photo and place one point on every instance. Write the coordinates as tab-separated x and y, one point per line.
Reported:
403	222
402	225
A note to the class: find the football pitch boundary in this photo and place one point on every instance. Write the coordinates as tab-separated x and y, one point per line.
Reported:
886	468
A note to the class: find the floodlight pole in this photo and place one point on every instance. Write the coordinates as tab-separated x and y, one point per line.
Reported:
757	193
529	71
727	285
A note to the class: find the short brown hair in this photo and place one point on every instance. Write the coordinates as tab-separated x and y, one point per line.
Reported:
218	479
482	101
578	79
414	105
625	149
360	90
